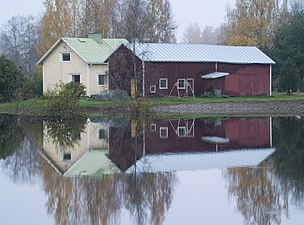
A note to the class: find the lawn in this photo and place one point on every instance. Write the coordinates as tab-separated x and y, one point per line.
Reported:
37	106
275	96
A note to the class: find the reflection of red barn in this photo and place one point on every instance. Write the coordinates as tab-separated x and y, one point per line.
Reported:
194	70
207	136
189	136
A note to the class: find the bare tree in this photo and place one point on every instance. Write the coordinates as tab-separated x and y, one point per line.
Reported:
148	20
192	34
210	35
19	38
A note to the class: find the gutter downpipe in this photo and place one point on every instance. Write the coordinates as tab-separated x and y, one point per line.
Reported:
270	81
88	80
143	66
43	80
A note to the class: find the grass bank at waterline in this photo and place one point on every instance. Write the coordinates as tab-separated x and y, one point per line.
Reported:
278	104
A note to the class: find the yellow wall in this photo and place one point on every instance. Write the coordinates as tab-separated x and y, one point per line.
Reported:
89	141
55	71
94	71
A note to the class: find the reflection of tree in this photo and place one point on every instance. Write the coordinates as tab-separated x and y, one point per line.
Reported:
289	156
65	132
11	135
20	139
149	193
22	165
98	201
260	198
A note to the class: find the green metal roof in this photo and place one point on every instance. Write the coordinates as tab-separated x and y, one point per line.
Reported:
91	51
91	163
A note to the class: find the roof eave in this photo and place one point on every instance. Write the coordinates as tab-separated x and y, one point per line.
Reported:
97	63
40	62
242	63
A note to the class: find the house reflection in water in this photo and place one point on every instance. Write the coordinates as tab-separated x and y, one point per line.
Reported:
164	145
87	156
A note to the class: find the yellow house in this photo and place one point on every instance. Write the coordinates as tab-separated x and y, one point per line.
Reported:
80	60
87	157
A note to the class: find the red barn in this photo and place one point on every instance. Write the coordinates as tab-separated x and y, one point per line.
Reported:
182	70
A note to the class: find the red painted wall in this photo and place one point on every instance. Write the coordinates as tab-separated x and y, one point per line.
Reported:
247	80
244	80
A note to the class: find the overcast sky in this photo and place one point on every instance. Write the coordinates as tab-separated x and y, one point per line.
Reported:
204	12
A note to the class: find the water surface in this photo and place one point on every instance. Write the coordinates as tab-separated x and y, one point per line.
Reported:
179	171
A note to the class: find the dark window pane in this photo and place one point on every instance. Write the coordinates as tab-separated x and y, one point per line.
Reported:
67	157
102	79
76	78
66	57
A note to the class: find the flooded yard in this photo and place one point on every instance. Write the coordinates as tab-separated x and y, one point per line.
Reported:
160	172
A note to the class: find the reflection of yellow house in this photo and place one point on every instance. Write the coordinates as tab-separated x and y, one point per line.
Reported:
80	60
87	157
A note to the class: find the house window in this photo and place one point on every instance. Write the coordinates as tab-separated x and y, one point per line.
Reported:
163	132
153	127
163	83
75	78
67	156
181	84
182	131
153	89
102	134
65	57
102	79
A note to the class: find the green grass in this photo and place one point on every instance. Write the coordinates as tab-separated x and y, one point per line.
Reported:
172	101
37	106
28	107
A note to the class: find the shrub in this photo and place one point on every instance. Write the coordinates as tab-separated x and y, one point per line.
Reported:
11	80
63	102
32	87
139	108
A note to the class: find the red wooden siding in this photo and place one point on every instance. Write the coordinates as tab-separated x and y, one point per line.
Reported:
244	80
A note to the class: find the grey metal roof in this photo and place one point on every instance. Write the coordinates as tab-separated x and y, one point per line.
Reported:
200	161
157	52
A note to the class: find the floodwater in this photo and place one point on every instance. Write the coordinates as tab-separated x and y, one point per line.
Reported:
158	172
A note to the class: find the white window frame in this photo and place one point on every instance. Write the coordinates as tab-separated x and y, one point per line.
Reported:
107	79
163	79
178	80
160	132
61	57
179	133
75	74
153	89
